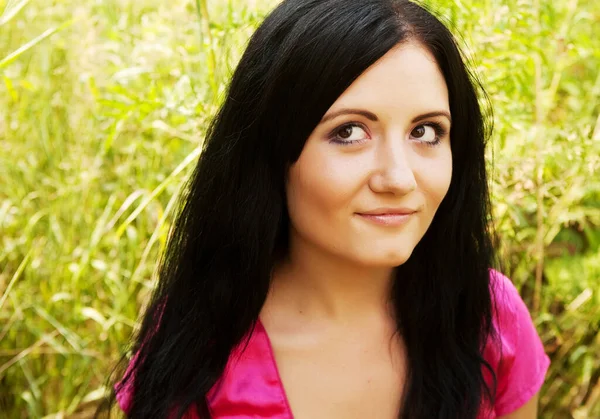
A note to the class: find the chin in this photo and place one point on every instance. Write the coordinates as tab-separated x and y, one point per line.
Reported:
390	259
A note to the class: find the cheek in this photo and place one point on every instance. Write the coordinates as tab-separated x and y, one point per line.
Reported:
319	189
434	178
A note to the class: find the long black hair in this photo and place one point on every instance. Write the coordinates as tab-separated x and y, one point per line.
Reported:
232	225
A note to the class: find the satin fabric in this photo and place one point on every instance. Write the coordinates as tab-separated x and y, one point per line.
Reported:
251	387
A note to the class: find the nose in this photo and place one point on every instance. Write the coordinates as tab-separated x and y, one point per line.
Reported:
394	172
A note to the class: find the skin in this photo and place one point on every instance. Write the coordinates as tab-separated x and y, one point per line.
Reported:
328	314
527	411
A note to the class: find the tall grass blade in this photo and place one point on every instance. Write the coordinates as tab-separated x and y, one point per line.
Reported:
15	277
11	10
18	52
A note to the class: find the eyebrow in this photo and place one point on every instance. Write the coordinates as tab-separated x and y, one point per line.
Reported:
373	117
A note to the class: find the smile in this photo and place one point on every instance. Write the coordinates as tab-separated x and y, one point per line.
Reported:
388	219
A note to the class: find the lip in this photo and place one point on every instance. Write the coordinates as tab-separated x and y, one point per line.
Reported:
390	211
393	217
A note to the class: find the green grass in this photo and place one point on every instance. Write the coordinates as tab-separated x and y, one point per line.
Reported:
103	106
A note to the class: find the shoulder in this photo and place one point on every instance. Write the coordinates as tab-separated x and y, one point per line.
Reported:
508	306
516	352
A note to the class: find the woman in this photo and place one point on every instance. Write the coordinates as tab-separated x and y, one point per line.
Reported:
332	255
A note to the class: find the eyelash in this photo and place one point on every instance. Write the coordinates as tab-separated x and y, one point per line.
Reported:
333	134
440	132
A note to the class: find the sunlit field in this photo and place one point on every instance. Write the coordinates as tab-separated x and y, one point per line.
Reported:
104	105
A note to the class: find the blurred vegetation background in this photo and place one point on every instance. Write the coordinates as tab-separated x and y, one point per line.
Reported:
103	107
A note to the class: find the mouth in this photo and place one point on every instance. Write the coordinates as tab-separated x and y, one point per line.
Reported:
389	219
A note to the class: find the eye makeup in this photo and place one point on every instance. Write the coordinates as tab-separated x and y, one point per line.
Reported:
342	134
337	135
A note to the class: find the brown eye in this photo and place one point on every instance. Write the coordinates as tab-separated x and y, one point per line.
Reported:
425	133
418	132
346	132
351	133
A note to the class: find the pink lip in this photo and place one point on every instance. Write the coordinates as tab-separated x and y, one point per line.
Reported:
390	211
394	219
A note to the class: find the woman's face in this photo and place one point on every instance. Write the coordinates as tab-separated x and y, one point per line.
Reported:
374	171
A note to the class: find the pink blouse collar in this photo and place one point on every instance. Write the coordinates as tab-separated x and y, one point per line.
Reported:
251	385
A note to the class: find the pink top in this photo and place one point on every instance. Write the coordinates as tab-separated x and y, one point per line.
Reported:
251	387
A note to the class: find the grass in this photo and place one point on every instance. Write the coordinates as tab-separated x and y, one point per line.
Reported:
103	106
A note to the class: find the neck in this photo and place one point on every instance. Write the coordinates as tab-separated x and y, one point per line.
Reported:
318	284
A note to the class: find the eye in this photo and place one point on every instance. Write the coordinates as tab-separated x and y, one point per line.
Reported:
349	134
429	133
424	133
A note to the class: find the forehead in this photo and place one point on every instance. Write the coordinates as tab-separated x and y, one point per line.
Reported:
405	80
